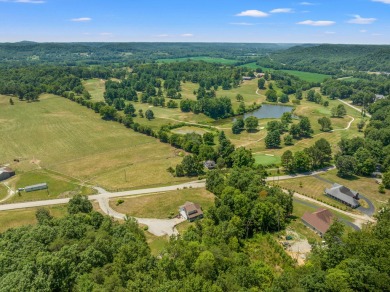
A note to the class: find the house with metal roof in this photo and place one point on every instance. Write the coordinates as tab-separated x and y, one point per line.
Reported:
344	195
319	221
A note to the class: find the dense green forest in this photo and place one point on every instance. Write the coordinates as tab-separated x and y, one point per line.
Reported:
330	59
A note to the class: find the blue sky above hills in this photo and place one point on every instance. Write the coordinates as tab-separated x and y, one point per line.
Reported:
322	21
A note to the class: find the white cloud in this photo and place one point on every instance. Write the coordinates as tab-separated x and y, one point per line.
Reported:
242	23
164	35
329	32
25	1
382	1
186	35
253	13
81	19
282	10
361	20
317	23
363	30
306	3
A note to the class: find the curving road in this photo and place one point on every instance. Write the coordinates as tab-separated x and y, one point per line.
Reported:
160	227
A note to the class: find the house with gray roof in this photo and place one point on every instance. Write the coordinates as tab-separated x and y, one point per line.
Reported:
344	195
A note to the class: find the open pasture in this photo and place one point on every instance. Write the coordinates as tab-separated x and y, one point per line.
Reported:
60	135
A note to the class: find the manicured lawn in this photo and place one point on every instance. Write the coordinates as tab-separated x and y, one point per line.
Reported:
61	135
266	159
206	59
162	205
17	218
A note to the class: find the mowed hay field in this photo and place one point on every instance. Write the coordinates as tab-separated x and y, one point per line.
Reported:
162	205
63	136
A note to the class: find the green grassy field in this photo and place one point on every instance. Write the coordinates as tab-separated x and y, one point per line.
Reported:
61	135
96	88
59	186
17	218
162	205
206	59
266	159
307	76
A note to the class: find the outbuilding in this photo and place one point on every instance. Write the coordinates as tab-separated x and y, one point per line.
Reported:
37	187
6	172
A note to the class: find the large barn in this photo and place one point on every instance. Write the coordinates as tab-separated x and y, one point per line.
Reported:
6	172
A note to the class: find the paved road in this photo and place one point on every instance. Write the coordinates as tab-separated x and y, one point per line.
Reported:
104	194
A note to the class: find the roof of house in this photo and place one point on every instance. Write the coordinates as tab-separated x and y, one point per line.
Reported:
193	210
343	193
320	220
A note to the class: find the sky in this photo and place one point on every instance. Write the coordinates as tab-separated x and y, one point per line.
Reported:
260	21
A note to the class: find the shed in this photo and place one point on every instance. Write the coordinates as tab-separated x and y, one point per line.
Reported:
319	221
191	211
6	172
37	187
343	195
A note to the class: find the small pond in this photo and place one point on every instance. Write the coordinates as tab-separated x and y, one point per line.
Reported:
269	111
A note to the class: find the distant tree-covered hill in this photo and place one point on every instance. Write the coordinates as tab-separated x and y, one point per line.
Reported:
98	53
331	59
